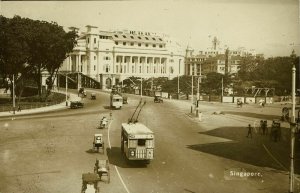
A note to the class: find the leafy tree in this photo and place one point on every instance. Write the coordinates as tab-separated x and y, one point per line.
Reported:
29	47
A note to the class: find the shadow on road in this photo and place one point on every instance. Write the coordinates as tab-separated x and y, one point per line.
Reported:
115	157
107	107
255	151
253	115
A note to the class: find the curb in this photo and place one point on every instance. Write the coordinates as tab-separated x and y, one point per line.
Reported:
39	110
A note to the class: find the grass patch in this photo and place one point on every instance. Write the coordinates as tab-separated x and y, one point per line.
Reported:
32	102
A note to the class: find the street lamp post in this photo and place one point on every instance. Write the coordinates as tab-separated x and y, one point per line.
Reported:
13	95
192	99
292	126
222	89
66	89
141	87
178	87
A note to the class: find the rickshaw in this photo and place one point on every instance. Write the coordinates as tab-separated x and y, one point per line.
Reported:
93	96
98	143
90	183
102	169
103	123
239	103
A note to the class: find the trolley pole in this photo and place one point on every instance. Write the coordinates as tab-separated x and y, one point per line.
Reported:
292	126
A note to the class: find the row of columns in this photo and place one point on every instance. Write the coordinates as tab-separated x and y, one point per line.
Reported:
193	70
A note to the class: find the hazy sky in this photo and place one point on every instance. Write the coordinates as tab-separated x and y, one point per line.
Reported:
268	26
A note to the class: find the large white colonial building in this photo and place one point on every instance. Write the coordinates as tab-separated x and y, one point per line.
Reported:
111	56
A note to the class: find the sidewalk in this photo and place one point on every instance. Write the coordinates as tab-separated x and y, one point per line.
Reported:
41	109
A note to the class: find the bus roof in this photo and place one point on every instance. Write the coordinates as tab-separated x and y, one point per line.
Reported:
136	128
116	96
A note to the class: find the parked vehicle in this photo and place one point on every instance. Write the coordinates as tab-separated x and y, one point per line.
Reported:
158	99
76	104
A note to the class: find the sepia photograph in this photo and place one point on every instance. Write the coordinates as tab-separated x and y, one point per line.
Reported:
150	96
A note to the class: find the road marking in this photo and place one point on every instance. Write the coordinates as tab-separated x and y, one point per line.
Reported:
119	175
274	158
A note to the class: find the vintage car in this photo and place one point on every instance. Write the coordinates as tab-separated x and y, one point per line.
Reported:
158	99
76	104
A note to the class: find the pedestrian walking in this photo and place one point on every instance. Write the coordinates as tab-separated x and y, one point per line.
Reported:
265	129
250	128
19	108
261	127
110	115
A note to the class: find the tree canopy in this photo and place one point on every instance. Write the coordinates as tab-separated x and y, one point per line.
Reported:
30	47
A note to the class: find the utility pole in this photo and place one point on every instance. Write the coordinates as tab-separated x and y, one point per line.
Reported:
14	97
66	89
141	87
178	80
178	87
222	89
292	126
192	100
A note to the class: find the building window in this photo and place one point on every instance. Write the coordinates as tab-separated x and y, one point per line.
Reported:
146	38
94	57
132	69
132	37
124	36
147	69
160	46
88	40
94	67
95	40
147	45
107	68
139	44
80	68
117	69
154	45
132	44
116	36
116	43
160	39
124	43
153	38
139	37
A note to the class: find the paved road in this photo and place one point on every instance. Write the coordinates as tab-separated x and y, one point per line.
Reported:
49	152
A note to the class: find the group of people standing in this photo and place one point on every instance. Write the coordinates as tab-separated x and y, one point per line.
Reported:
275	132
